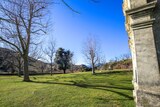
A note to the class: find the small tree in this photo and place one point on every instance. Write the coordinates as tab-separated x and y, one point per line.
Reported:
125	56
50	52
16	59
63	59
43	66
17	62
92	53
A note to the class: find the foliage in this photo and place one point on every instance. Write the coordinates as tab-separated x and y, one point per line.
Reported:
63	59
85	68
105	89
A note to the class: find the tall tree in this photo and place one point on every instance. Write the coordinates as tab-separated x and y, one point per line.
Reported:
91	51
22	21
63	59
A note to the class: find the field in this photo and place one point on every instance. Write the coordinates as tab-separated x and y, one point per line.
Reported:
105	89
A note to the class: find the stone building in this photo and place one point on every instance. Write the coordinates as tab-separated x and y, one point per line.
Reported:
143	27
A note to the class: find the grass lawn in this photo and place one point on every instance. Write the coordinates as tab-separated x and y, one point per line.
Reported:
105	89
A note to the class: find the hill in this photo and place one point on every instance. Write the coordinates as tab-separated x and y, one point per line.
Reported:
11	62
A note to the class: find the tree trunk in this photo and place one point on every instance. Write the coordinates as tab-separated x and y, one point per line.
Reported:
93	69
26	72
19	71
42	70
19	68
64	71
51	69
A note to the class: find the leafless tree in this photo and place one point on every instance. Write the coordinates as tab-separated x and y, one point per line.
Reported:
91	51
125	56
5	59
43	66
11	58
73	63
22	20
15	58
49	51
20	64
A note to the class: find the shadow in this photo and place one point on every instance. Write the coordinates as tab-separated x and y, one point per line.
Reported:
97	87
117	89
111	72
87	85
107	100
117	92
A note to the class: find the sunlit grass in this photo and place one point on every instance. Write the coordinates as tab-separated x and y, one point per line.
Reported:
105	89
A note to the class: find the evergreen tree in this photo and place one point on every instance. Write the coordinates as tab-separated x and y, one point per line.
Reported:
63	59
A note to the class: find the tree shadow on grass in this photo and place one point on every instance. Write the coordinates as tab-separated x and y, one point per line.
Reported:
114	89
106	88
108	99
111	72
111	88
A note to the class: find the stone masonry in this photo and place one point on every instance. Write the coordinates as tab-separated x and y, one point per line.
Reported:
143	27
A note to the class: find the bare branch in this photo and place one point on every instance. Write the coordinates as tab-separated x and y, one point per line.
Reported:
70	7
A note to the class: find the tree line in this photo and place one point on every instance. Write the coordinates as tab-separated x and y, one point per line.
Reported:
21	24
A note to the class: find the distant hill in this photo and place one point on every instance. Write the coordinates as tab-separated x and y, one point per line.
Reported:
9	62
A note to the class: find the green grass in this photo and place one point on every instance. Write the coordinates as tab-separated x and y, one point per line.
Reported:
106	89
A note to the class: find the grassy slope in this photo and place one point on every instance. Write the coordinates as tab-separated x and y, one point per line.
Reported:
112	89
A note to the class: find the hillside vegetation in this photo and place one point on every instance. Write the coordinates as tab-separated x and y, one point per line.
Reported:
121	64
105	89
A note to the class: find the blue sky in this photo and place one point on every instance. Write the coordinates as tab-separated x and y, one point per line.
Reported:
104	20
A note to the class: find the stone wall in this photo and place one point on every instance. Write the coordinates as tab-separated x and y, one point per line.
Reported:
137	3
146	57
148	99
143	27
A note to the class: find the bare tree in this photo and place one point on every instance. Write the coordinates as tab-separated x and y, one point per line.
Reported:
43	66
20	64
12	58
73	63
125	56
22	20
91	51
49	51
16	59
5	59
